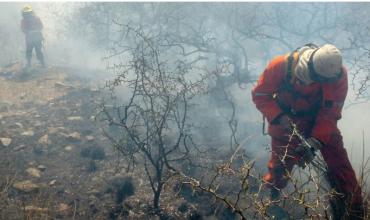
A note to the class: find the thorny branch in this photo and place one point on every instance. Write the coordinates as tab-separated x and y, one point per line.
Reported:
154	117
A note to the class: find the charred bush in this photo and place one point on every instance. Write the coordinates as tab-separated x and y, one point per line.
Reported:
183	207
117	211
190	194
155	113
195	216
37	150
226	213
121	187
91	166
93	152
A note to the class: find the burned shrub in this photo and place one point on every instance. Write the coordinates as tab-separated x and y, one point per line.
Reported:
183	207
190	194
226	213
91	166
93	152
116	212
37	150
154	113
195	216
121	187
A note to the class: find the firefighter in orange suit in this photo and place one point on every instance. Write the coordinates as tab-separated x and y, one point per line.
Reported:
308	87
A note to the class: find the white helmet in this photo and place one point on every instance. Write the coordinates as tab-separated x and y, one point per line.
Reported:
325	63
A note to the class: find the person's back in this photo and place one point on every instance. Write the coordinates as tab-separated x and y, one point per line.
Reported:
32	26
31	22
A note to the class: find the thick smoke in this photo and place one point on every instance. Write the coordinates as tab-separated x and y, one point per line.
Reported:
67	46
61	46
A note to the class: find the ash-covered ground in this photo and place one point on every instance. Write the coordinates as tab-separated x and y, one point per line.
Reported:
57	164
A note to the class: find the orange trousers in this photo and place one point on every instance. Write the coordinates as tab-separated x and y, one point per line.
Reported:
340	171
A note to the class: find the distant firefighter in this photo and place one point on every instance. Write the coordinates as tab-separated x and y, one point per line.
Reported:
31	26
308	88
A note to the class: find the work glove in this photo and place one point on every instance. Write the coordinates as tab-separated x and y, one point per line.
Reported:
307	152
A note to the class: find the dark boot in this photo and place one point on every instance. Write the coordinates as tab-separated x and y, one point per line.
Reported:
343	210
356	212
39	54
29	50
338	208
276	212
275	194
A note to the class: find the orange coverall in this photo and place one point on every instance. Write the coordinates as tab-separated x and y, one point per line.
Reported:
315	108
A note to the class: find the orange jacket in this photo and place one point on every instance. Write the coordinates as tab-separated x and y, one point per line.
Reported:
325	99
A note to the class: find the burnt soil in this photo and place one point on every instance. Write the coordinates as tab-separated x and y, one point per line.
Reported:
49	115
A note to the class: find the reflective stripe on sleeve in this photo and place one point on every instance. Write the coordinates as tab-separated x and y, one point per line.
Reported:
262	94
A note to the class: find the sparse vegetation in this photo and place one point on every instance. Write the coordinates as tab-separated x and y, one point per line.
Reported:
121	187
93	152
165	131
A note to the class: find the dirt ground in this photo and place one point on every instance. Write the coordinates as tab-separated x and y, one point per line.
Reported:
55	162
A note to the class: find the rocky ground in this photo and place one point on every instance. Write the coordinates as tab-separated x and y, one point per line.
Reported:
55	162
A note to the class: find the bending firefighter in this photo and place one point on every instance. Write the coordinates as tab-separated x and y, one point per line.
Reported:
308	88
31	26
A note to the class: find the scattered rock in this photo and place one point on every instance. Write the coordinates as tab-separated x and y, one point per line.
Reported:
75	118
26	186
74	136
22	96
37	124
68	147
41	167
131	213
63	86
19	125
5	141
52	183
44	140
28	133
20	147
90	138
63	209
33	210
52	130
94	193
34	172
95	179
